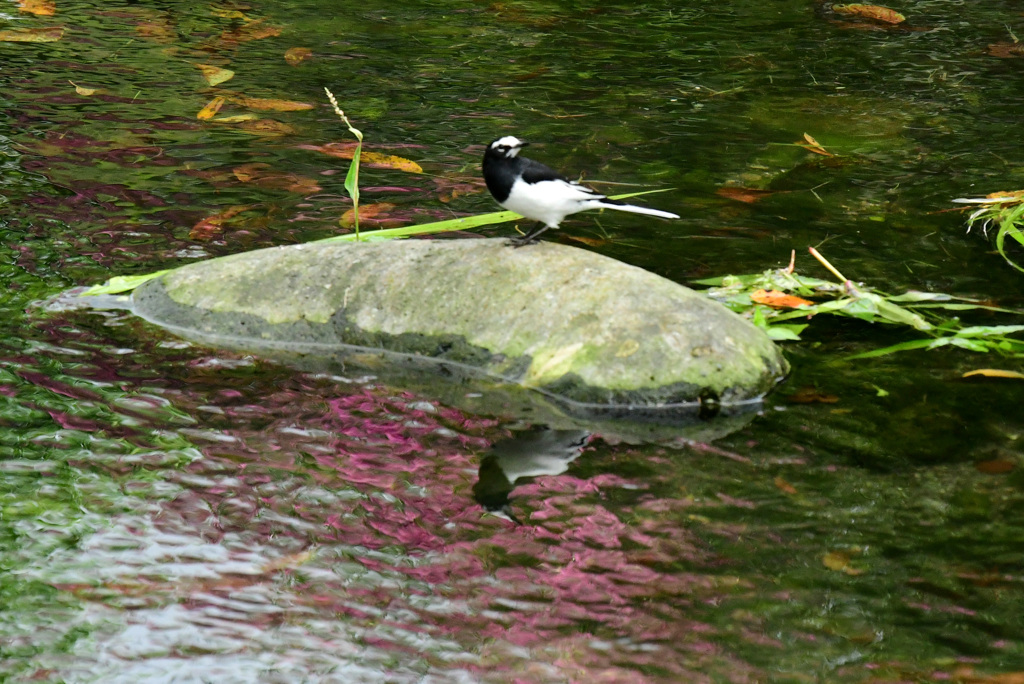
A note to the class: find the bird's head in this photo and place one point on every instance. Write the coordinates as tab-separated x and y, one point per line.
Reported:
507	146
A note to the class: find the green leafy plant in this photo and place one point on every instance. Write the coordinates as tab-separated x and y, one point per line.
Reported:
775	299
1005	210
352	177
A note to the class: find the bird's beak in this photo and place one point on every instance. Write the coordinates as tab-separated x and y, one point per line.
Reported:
523	144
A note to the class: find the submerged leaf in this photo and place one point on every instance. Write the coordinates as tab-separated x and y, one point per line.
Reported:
32	35
369	212
270	105
82	90
883	14
212	225
267	127
296	55
215	75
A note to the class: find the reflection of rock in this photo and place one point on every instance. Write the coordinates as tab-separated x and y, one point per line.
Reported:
581	328
530	453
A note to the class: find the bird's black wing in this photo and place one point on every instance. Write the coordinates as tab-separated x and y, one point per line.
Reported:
535	172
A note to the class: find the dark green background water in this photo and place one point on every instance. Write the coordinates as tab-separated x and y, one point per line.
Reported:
173	513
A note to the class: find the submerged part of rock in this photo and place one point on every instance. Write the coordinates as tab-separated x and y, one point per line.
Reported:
577	326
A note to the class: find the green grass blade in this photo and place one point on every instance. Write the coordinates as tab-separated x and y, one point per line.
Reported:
467	223
119	284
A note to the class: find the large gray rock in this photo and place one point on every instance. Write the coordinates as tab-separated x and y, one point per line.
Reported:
571	323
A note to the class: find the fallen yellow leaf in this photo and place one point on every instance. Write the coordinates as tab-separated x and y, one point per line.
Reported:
994	373
211	109
82	90
215	75
235	118
42	8
390	161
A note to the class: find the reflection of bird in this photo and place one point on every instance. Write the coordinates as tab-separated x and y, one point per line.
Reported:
541	193
539	451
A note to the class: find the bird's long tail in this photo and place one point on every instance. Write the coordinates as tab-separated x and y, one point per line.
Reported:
633	209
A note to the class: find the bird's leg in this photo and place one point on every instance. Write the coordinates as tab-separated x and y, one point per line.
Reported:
529	237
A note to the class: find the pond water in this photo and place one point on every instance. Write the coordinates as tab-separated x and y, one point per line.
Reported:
176	513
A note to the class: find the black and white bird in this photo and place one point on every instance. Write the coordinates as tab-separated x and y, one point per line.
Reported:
539	192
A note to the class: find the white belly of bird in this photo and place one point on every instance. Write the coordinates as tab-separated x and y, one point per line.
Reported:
549	201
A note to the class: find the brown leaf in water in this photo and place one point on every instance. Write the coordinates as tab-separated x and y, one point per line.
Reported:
296	55
883	14
810	395
212	225
254	30
784	486
779	300
745	195
994	467
42	8
269	105
812	145
211	109
32	35
588	241
370	213
1005	50
261	174
215	75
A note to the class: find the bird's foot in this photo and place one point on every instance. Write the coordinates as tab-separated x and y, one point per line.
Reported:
522	241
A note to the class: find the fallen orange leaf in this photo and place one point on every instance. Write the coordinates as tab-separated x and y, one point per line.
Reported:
215	75
211	109
42	8
296	55
371	213
212	225
32	35
883	14
812	145
779	300
270	105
